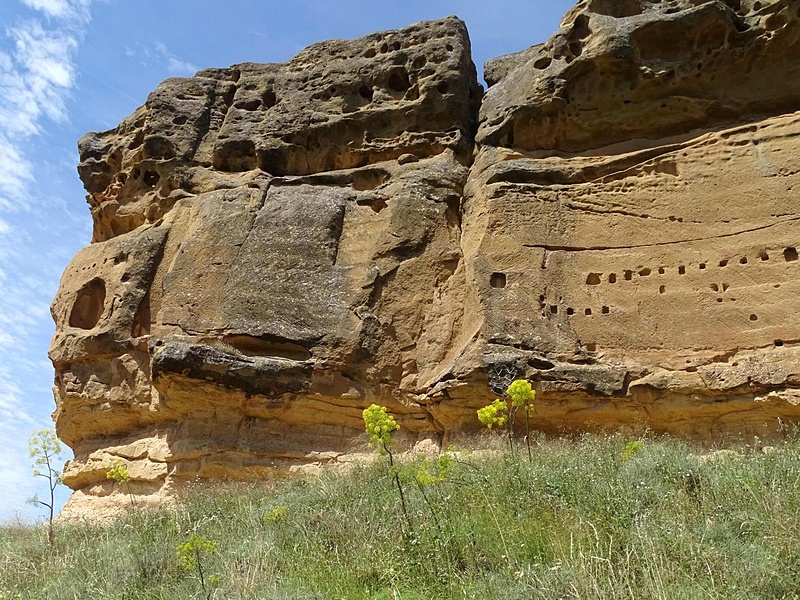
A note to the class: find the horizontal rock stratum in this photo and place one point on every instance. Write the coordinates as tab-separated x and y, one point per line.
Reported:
277	246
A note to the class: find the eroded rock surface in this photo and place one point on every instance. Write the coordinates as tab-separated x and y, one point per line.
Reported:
278	246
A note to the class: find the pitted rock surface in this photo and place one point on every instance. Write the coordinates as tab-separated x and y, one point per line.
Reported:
278	246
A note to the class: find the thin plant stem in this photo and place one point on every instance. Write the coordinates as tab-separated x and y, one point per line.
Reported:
528	430
399	485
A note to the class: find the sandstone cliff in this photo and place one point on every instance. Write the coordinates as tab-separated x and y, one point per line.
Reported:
276	246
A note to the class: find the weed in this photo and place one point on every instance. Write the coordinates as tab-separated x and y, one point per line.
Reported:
45	450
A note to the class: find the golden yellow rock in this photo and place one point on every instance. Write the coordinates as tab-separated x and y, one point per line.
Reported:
277	247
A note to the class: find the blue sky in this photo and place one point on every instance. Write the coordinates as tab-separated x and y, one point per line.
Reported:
72	66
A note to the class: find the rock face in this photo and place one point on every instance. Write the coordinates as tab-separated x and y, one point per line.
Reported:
278	246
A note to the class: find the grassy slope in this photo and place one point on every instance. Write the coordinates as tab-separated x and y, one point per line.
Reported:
577	522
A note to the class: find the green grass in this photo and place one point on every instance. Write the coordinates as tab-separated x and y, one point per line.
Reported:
576	522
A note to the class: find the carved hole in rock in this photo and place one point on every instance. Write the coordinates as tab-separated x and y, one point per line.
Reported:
376	204
396	46
570	311
157	147
267	346
790	254
151	178
366	92
497	280
588	312
645	272
121	257
227	96
719	300
628	275
542	63
368	179
612	278
249	105
662	289
370	53
743	260
580	28
754	317
89	304
591	347
575	49
606	310
449	47
135	173
661	270
453	212
779	343
412	93
419	62
123	177
763	256
723	263
756	6
540	363
725	287
141	322
593	279
510	137
125	277
179	120
443	87
137	140
714	287
553	309
681	270
398	81
384	48
235	155
702	266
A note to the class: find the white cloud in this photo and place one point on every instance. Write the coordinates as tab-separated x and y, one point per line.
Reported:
36	82
69	10
16	172
37	76
53	8
160	54
181	67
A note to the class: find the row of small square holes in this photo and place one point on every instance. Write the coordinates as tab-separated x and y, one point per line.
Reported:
789	254
498	280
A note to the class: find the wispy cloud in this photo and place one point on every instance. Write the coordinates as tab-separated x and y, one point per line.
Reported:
75	12
159	54
180	67
37	75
